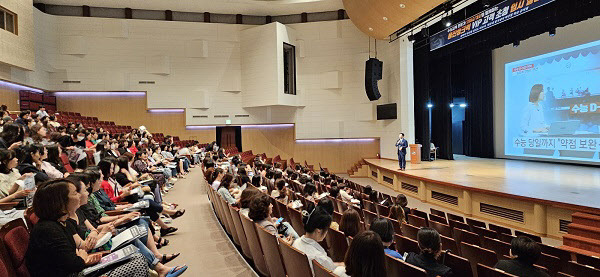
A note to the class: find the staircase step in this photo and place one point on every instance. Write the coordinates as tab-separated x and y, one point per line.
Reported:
583	243
586	219
584	231
579	251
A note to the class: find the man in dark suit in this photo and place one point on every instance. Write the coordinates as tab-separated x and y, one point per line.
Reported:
402	144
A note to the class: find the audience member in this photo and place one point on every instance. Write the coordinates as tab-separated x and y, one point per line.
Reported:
365	257
430	244
316	223
524	253
385	230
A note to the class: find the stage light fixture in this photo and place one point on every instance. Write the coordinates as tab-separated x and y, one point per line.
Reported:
447	22
451	105
517	43
552	32
462	105
486	3
429	105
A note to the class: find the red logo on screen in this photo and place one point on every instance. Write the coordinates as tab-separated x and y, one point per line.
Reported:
523	68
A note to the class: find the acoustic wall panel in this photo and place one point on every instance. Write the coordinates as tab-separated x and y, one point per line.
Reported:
331	79
73	45
196	49
158	65
115	28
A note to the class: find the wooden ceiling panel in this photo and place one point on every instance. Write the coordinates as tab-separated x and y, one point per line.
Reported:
368	15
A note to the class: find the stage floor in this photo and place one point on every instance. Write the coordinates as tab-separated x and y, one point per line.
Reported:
570	184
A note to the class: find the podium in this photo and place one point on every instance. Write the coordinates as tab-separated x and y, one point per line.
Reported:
415	153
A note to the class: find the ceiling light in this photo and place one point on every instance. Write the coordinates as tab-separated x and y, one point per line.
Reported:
552	32
462	105
451	105
385	18
402	6
370	29
486	3
429	105
516	43
447	22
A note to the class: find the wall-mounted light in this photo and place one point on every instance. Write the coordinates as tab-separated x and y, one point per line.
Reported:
200	127
268	126
516	43
19	87
100	93
343	140
552	32
166	110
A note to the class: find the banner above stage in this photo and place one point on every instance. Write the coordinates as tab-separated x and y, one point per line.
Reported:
495	15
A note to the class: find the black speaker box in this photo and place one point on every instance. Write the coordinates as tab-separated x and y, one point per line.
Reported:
373	73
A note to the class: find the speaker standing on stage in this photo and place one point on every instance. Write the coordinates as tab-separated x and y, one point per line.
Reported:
401	144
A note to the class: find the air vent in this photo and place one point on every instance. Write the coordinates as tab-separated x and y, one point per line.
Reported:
563	225
147	82
388	180
505	213
242	115
446	198
374	174
409	187
221	116
71	82
199	116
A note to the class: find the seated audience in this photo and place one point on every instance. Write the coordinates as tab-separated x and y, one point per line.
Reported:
52	248
524	253
316	223
245	198
350	224
385	230
430	245
30	161
11	181
280	193
327	204
365	257
260	211
398	211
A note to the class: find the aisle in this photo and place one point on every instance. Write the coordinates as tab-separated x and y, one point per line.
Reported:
203	244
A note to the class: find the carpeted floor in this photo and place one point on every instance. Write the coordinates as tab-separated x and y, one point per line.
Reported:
202	242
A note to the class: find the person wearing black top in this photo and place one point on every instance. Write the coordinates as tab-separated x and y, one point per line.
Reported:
430	244
52	250
525	253
30	161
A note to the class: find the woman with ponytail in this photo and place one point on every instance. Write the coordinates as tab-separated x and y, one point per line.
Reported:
316	223
398	211
431	245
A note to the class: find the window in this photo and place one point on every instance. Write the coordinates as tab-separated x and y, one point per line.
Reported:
8	20
289	69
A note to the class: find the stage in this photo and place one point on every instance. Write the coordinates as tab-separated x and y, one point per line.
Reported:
569	184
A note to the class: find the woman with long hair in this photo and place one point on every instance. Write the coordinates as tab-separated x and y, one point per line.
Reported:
365	257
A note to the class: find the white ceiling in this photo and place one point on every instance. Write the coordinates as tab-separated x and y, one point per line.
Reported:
246	7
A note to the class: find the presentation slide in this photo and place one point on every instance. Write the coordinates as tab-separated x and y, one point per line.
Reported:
552	105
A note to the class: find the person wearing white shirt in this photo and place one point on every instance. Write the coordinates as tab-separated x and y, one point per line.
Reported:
316	224
533	115
41	112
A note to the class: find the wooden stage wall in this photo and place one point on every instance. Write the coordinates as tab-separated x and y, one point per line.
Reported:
9	97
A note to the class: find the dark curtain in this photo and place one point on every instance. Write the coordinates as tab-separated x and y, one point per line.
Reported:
238	138
441	96
218	132
434	71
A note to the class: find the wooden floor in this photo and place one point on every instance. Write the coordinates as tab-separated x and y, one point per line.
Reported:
570	184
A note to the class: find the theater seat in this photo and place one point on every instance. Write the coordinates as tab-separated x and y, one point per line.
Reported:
486	271
15	237
320	271
296	262
271	251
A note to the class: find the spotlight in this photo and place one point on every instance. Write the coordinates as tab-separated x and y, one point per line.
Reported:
463	105
451	105
516	43
552	32
429	105
447	22
486	3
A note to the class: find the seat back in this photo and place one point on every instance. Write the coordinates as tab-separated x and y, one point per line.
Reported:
369	217
442	228
396	224
499	247
438	212
455	217
487	271
239	229
283	211
458	225
369	206
409	231
271	251
505	237
482	232
477	255
416	220
404	244
5	263
229	218
321	271
382	210
460	266
449	243
466	236
474	222
563	255
396	267
15	238
437	218
418	213
588	260
255	248
296	221
296	262
338	245
577	269
535	238
500	229
551	263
